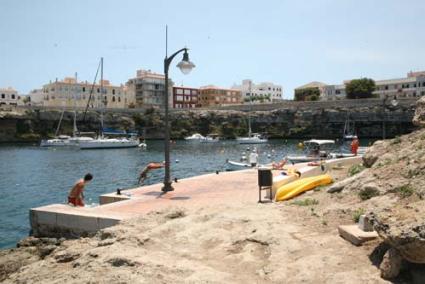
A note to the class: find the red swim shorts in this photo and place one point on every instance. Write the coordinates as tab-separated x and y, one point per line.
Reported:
75	201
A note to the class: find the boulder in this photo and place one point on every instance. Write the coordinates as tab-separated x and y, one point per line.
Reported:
391	264
403	227
419	118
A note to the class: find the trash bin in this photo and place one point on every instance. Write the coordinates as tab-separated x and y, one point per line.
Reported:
265	177
265	181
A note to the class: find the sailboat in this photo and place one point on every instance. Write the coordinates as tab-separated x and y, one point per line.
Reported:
349	130
252	138
65	140
102	142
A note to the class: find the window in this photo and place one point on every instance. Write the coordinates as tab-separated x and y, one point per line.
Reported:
386	87
3	96
113	91
84	89
156	87
113	99
187	92
119	99
13	96
98	90
179	91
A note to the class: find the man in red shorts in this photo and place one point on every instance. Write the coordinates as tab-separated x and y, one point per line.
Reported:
76	195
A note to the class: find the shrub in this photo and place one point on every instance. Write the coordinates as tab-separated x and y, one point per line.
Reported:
404	191
355	169
368	192
357	213
306	202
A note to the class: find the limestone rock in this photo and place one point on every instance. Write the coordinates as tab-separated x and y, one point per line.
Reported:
391	264
403	227
419	118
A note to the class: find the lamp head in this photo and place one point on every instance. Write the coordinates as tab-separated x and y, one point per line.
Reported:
185	65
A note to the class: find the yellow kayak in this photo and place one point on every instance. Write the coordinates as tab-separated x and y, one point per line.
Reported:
297	187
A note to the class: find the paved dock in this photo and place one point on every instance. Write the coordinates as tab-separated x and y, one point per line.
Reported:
196	192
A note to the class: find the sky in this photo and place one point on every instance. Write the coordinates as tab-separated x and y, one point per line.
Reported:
290	43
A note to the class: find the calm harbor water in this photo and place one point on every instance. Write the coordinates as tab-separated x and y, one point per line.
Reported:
31	176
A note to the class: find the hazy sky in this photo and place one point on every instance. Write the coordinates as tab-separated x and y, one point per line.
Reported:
285	42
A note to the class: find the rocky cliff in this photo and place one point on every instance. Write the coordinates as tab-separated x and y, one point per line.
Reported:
284	121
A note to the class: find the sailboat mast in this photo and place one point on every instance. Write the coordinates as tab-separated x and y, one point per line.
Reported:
250	108
75	131
102	98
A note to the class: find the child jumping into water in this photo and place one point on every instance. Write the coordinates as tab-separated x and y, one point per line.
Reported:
144	173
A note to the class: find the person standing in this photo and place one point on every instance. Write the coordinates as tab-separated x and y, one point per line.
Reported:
76	195
253	158
355	146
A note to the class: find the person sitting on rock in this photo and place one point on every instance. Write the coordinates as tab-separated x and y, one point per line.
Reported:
76	195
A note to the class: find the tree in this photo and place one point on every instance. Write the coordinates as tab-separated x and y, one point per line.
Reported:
360	88
306	94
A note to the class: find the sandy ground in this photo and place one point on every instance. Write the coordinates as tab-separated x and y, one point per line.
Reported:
247	243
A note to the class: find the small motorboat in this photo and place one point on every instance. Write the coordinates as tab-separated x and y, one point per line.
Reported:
195	137
210	138
254	138
316	150
234	166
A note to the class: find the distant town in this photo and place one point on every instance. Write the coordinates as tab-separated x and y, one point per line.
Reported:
146	89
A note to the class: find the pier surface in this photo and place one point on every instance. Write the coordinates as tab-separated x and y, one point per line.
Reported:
207	190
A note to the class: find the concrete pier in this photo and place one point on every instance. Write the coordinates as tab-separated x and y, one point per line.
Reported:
196	192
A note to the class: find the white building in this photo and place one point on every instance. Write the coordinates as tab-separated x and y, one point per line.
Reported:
266	90
36	97
148	89
9	96
71	93
411	86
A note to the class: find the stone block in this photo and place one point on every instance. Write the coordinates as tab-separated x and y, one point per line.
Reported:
87	224
110	198
44	217
67	220
365	224
354	235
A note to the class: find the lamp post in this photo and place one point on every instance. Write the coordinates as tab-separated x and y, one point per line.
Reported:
185	66
393	105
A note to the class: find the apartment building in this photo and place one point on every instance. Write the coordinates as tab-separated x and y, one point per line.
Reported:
71	93
185	97
261	92
9	96
217	96
413	85
148	89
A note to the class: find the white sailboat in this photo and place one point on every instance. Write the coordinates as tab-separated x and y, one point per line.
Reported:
65	140
252	138
349	130
102	142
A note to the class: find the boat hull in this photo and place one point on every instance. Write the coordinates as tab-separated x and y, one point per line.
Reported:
96	144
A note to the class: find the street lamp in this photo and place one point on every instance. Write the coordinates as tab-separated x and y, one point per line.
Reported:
185	66
393	104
